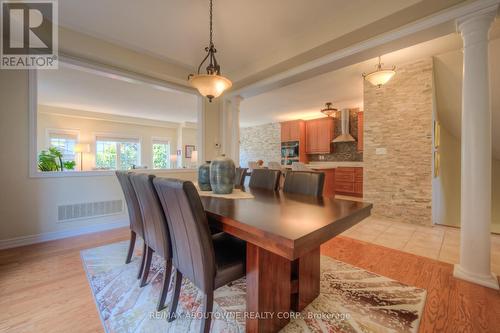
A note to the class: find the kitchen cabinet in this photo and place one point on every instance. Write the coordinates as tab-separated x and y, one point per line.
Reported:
360	131
291	130
349	181
319	135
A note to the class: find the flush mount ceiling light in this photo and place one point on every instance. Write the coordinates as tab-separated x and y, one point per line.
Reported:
328	110
211	84
380	76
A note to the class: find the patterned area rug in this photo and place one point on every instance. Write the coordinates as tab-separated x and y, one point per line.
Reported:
351	299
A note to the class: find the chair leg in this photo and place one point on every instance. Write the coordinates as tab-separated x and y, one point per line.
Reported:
166	282
131	246
175	296
143	259
207	312
147	266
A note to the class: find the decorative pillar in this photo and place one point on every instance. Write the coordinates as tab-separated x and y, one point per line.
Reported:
235	143
475	247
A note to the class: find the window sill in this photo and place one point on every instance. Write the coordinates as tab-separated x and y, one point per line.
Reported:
98	173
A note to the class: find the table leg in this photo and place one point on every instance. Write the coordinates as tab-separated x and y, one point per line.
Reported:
306	269
268	290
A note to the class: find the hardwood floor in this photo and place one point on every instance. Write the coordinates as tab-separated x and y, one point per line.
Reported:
43	287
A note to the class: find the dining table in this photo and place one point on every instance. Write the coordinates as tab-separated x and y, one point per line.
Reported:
283	233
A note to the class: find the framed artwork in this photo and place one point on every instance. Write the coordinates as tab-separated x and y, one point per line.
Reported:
188	150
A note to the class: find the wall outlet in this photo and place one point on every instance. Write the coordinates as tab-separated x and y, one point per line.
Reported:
321	157
380	151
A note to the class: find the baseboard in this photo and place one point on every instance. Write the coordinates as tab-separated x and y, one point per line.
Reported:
48	236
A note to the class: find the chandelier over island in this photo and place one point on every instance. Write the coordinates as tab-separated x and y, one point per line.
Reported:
212	84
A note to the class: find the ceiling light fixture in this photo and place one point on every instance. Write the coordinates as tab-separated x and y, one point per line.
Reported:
380	76
211	84
328	110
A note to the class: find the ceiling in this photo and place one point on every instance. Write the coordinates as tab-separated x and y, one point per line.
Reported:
80	90
250	35
343	87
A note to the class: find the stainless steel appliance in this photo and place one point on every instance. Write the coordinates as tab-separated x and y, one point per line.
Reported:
289	152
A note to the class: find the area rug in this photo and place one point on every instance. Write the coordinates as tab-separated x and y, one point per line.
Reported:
351	299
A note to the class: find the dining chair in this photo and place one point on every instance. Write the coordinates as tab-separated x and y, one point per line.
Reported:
155	230
304	182
253	165
239	177
208	261
135	217
265	179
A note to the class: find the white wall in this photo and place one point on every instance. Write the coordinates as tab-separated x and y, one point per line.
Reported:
28	205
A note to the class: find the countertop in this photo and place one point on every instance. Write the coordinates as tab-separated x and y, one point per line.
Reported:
333	165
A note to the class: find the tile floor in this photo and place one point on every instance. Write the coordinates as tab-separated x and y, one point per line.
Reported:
436	242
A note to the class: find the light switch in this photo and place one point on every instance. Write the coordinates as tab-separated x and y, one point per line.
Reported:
380	151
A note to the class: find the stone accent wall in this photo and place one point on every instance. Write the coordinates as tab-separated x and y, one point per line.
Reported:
343	151
398	117
260	143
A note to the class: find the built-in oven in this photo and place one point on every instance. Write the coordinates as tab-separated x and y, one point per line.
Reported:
289	152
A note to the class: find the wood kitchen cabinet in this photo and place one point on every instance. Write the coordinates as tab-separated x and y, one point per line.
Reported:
319	135
349	181
360	131
291	130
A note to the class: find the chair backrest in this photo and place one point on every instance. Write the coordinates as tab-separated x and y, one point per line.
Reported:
274	165
193	250
265	179
304	182
240	175
299	166
134	210
156	231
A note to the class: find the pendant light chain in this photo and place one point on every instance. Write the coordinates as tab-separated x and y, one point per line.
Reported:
211	28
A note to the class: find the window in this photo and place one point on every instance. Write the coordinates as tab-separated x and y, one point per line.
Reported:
161	154
65	143
117	153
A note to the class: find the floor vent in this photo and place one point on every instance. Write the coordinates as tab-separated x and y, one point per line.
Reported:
89	209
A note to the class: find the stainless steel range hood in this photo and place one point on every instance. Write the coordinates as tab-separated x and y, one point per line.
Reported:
344	136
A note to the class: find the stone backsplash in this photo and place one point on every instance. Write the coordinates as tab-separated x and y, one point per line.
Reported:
260	143
343	151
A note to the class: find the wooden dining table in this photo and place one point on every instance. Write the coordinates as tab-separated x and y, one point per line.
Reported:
283	232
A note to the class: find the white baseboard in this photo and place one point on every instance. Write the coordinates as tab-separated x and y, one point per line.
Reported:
48	236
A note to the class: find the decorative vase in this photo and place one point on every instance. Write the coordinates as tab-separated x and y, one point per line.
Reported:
222	171
204	177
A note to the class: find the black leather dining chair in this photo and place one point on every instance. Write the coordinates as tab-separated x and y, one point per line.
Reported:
155	230
208	261
265	179
304	182
240	176
135	217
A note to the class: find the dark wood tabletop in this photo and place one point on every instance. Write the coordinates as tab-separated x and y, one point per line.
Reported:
285	224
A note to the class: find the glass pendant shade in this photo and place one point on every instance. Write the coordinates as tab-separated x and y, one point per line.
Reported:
380	76
329	111
210	85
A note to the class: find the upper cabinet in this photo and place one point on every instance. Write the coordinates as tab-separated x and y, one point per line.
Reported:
360	131
319	135
291	130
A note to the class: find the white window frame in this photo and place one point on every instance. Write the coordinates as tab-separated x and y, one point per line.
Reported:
106	70
63	131
117	137
162	140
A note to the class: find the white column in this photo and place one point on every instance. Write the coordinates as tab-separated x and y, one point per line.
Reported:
235	142
475	220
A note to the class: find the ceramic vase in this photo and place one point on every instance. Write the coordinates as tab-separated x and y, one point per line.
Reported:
204	177
222	171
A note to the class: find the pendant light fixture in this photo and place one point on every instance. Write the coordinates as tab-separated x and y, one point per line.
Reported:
380	76
211	84
328	110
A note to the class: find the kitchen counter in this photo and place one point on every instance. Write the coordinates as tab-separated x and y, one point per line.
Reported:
333	165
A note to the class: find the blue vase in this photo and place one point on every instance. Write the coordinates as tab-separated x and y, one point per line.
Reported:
222	171
204	177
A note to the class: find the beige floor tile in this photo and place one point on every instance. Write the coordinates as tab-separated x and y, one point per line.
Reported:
449	254
404	226
424	251
431	230
419	238
364	235
392	241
